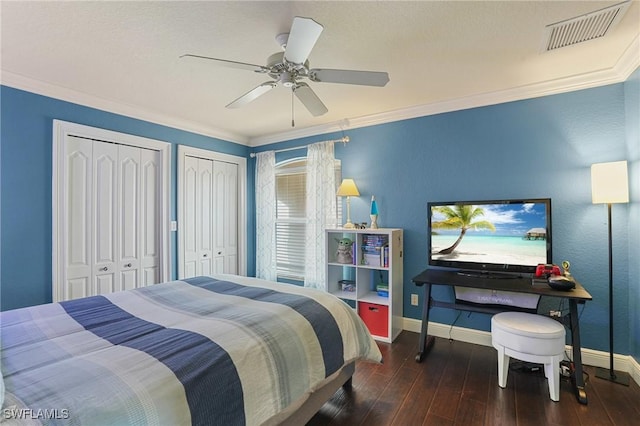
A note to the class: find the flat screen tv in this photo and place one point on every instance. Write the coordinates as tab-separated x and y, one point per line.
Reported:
507	236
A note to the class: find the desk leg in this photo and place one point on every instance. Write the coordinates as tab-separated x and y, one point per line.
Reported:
578	379
426	341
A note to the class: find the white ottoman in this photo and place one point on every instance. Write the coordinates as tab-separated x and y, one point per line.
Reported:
531	338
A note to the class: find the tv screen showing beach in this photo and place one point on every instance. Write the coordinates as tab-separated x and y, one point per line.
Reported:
494	236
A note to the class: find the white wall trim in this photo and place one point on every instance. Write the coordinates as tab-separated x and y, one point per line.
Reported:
241	162
625	363
69	95
626	64
620	72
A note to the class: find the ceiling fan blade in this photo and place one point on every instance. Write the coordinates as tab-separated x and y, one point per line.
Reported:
227	63
364	78
309	99
252	94
302	37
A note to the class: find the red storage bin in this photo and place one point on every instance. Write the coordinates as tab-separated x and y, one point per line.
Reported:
375	317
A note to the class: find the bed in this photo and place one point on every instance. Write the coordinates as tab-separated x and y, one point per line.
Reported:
220	350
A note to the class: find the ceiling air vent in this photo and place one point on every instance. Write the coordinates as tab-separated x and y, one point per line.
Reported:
585	27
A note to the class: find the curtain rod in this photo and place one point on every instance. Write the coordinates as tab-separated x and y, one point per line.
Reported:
344	139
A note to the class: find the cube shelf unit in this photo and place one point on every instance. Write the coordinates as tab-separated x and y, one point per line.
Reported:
370	268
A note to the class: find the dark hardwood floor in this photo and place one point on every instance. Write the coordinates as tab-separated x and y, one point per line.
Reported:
457	384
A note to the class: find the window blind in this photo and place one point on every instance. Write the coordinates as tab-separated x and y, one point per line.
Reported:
290	224
291	213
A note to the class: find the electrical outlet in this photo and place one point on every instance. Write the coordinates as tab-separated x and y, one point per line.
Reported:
414	299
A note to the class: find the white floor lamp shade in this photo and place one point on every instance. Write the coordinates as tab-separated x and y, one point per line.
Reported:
610	184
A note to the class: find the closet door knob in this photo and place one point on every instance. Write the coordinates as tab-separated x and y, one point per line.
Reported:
104	269
128	265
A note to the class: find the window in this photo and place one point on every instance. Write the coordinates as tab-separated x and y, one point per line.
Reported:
291	191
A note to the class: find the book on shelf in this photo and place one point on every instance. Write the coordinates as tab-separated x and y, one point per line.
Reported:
373	252
376	256
374	240
371	259
354	255
385	256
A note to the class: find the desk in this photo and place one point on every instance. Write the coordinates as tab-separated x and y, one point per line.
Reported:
516	284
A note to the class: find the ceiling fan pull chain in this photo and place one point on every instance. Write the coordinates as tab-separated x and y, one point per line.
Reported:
293	123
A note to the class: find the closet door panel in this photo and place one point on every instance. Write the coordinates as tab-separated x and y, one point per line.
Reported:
226	213
231	222
105	183
204	206
189	237
78	287
78	178
219	215
129	217
105	283
150	226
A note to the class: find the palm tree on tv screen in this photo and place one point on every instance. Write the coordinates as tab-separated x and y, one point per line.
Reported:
460	217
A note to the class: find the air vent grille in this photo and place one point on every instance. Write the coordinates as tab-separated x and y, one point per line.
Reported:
584	28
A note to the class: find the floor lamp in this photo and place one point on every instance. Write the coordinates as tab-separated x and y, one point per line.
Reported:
610	184
348	189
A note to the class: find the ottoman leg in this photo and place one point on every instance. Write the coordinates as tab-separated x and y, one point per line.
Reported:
552	371
503	367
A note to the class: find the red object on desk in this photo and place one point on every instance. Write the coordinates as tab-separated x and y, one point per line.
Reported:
544	270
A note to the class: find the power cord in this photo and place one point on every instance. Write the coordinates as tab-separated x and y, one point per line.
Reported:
451	328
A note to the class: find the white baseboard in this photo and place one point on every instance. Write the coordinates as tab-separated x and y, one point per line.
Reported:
624	363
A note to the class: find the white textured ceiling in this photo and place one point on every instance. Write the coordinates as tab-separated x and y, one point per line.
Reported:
123	57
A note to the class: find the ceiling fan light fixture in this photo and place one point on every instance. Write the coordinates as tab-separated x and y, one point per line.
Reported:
287	80
282	39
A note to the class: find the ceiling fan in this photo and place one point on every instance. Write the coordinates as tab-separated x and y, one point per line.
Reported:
289	67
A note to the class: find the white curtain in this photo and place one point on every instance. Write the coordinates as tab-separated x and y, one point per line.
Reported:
266	215
321	211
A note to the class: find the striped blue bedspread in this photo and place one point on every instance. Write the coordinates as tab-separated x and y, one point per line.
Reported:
203	351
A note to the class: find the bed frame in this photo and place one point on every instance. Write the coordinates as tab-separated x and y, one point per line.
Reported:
301	412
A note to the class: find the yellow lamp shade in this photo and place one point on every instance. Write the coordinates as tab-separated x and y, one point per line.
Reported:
348	188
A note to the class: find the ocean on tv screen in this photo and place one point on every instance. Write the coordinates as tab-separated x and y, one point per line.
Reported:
491	249
510	233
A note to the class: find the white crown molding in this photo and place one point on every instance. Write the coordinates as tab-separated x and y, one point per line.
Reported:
620	72
624	67
590	357
69	95
630	60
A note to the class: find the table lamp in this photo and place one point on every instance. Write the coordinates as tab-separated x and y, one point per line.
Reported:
610	184
348	189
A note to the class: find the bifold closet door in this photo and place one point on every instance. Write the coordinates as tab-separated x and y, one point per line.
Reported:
199	215
137	251
226	219
210	203
112	217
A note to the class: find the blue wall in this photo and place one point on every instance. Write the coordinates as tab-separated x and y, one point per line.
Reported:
541	147
25	201
632	102
535	148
